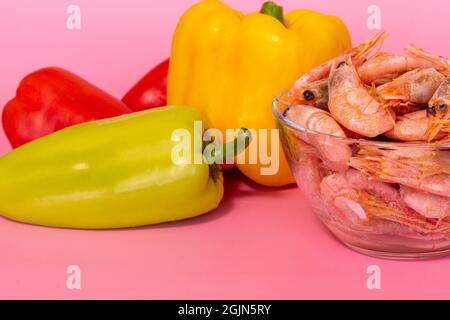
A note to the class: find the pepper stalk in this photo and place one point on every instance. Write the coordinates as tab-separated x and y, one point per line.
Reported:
219	154
270	8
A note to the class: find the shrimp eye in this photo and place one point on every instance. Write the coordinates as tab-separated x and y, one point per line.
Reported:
442	108
308	95
341	64
431	111
285	112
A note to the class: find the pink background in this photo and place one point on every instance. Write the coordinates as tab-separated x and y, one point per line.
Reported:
261	243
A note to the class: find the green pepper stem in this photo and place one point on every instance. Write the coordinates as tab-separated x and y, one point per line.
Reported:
274	10
226	152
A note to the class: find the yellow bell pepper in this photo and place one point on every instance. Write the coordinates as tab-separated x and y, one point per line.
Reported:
231	66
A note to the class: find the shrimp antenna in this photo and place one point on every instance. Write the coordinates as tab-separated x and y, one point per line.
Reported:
362	51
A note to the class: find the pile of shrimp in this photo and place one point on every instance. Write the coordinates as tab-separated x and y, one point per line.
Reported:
377	97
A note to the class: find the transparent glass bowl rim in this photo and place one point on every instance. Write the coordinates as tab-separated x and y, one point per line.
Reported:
385	144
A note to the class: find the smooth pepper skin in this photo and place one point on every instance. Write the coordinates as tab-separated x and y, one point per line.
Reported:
107	174
52	98
151	91
231	66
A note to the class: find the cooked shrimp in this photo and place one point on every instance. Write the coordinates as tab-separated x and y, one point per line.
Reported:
403	215
414	87
366	202
352	105
334	153
439	110
358	54
410	127
426	170
401	89
313	94
427	204
308	172
384	67
420	57
345	191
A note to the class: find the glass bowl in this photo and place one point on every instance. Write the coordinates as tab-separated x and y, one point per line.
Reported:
381	199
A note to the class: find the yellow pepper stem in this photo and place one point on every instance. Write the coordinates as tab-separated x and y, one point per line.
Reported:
270	8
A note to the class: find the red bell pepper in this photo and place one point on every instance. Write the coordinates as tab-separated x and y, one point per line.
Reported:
151	91
51	99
